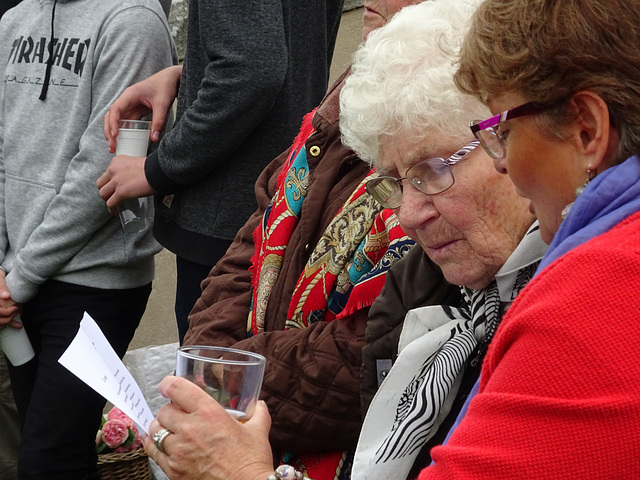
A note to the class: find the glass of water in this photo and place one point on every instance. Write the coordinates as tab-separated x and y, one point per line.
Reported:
231	377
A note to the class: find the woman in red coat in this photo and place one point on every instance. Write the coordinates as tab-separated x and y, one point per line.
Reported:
559	394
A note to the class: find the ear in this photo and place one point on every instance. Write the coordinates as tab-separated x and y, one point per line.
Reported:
596	138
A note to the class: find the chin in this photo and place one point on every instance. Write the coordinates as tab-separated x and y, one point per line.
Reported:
468	277
547	233
547	237
370	26
462	280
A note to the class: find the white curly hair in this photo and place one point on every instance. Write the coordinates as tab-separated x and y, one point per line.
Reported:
401	80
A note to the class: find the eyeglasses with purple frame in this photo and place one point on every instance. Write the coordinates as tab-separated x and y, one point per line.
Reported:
491	139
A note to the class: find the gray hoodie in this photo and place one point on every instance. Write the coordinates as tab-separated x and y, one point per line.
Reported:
53	223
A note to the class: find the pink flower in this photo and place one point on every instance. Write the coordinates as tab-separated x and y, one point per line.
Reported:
114	433
116	414
118	434
137	442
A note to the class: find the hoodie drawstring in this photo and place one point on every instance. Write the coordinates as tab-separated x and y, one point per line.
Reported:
47	75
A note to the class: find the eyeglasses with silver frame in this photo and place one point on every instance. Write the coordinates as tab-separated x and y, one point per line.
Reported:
431	176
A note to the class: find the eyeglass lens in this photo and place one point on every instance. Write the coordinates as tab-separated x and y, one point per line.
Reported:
431	176
386	190
491	142
485	130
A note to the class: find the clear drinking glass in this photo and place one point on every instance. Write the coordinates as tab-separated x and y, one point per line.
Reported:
232	377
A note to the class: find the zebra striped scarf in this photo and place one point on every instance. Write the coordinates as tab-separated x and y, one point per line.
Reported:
435	345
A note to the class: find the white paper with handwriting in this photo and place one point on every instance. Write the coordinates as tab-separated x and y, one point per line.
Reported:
91	358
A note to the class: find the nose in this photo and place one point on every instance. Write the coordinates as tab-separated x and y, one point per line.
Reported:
416	208
500	164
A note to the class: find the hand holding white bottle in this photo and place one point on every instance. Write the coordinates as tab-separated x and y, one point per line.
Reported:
15	344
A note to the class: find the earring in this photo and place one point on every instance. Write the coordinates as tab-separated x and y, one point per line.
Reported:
581	188
578	191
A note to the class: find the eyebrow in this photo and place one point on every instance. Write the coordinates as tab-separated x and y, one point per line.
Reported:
385	172
419	155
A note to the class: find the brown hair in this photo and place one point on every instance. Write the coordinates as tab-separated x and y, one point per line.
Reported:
546	50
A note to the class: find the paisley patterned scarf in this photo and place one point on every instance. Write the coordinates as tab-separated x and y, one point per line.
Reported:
278	222
346	269
345	272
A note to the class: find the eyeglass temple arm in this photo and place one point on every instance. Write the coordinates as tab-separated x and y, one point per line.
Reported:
524	109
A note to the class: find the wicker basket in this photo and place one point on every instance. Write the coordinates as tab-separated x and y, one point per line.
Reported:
132	465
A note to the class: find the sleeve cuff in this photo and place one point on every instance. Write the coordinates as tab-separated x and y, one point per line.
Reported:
21	289
156	177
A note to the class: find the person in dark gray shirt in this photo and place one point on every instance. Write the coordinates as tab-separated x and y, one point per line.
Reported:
248	78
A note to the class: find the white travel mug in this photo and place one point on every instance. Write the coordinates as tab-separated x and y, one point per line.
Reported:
16	345
133	140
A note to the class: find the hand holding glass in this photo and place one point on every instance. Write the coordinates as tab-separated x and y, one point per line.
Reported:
133	140
231	377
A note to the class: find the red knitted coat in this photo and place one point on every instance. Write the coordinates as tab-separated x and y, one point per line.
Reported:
560	391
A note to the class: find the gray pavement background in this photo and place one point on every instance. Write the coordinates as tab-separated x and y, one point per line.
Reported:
158	325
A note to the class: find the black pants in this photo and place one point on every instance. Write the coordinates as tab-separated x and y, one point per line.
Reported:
189	277
60	414
9	426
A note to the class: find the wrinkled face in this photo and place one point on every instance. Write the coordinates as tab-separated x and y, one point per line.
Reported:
545	170
379	12
469	230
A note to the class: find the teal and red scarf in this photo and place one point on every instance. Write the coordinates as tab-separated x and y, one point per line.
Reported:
346	269
345	272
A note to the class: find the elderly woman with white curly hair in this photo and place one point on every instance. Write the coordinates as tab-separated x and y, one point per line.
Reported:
401	111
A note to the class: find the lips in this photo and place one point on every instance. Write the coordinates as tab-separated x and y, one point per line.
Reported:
440	245
368	11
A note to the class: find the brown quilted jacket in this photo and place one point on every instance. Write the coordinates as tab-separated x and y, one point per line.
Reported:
311	383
